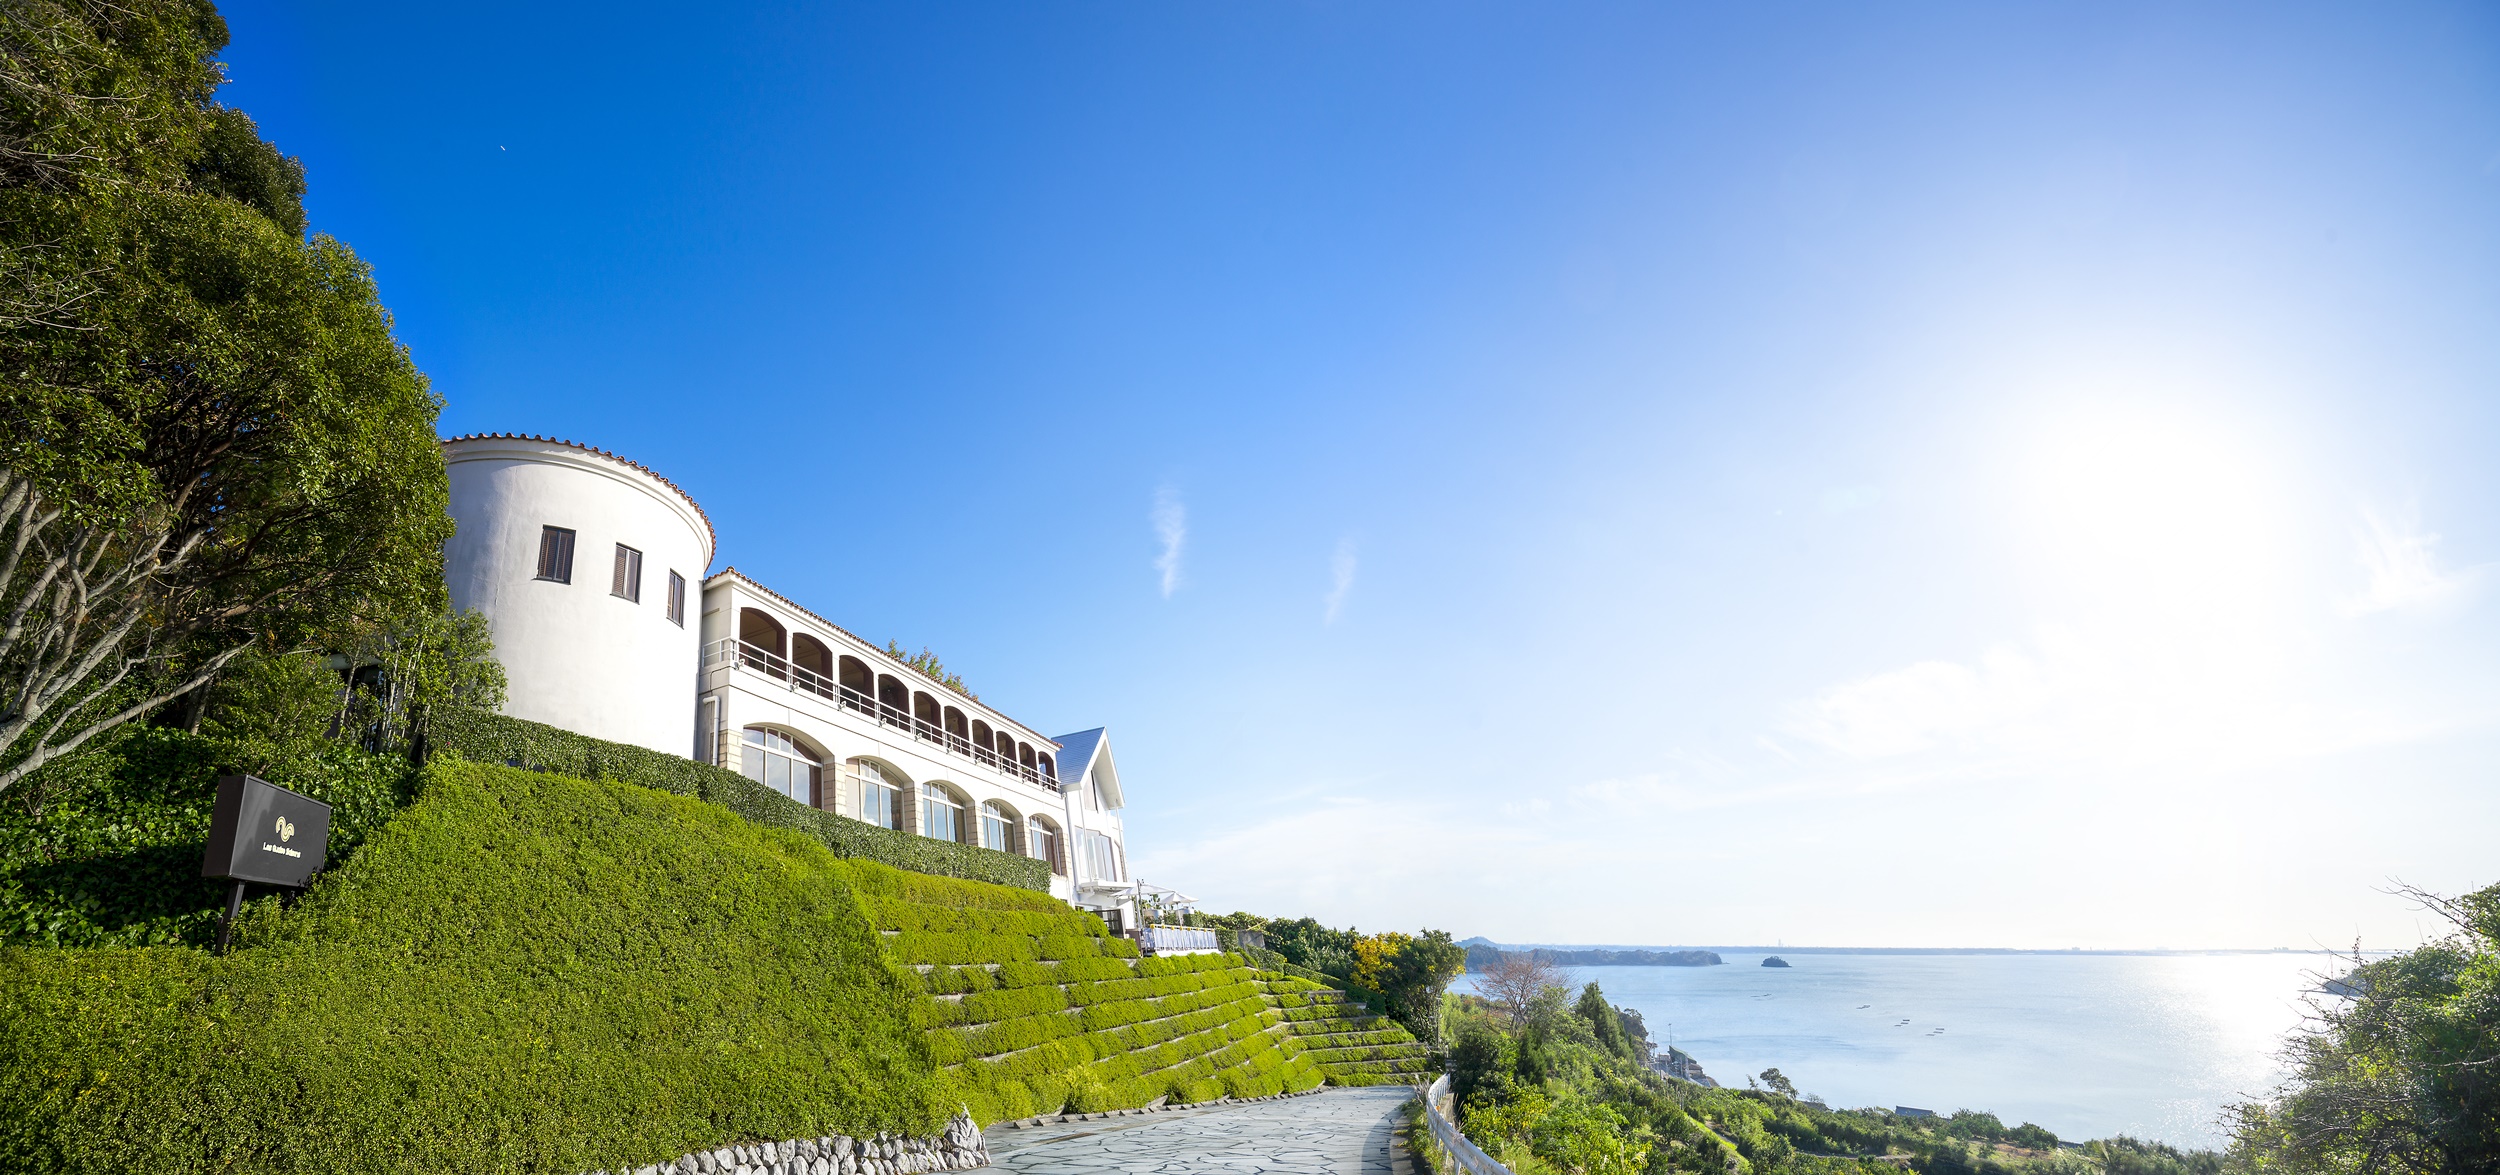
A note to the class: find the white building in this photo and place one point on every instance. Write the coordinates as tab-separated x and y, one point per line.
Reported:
592	571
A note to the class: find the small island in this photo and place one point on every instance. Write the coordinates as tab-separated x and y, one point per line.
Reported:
1774	961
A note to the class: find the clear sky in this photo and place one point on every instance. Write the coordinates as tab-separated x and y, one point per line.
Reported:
1855	474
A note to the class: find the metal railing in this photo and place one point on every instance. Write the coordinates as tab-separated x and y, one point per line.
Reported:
1437	1116
1160	940
801	679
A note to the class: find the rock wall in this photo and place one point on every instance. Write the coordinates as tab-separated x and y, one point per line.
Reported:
958	1149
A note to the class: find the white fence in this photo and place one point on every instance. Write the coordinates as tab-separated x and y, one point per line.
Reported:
1445	1132
1175	940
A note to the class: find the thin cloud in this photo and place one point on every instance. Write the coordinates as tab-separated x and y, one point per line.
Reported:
1341	574
1171	521
2404	568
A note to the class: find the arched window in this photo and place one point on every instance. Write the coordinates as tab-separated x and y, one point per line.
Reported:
859	687
958	735
771	758
760	642
940	817
983	742
1024	756
1050	770
893	701
997	825
880	802
1041	839
810	654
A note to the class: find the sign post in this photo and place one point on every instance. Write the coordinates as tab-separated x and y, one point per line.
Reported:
262	833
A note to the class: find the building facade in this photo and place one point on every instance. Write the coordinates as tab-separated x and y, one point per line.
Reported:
593	572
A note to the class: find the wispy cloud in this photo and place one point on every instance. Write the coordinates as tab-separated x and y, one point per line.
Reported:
1341	578
2403	566
1171	520
1927	704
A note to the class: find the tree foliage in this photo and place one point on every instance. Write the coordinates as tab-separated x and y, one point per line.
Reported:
209	440
2404	1075
1304	942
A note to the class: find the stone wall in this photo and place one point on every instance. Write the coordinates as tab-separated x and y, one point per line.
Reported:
958	1149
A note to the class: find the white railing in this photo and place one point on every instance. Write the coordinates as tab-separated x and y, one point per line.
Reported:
1445	1132
1166	940
801	679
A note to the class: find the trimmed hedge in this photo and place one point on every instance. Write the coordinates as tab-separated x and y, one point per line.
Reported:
1349	1044
516	742
1035	1009
114	858
521	972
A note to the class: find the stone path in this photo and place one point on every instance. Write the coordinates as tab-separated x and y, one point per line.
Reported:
1333	1132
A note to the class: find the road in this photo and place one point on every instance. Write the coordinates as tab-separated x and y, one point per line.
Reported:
1332	1132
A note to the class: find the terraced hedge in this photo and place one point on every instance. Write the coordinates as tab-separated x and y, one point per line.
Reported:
1348	1043
1034	1009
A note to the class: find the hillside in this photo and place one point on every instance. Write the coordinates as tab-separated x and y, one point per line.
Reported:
1483	953
527	972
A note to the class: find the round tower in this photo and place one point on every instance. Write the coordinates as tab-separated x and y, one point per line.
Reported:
589	568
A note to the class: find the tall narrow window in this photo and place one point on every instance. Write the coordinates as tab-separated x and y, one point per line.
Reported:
1044	844
940	819
676	599
879	803
995	826
706	720
1102	857
628	574
555	554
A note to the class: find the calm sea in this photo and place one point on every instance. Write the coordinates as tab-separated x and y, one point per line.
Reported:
2089	1046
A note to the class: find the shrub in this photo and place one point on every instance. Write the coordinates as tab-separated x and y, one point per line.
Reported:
103	849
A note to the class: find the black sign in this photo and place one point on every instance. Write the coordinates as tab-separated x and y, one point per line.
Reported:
265	833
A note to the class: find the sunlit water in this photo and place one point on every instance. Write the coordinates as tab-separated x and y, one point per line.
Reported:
2090	1046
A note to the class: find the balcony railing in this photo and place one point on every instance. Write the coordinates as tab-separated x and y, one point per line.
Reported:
801	679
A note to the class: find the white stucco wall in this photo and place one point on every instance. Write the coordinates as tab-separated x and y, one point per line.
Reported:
747	696
577	656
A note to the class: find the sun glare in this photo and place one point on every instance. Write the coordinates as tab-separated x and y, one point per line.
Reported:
2161	508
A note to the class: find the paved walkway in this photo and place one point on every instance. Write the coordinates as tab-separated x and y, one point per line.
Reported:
1333	1132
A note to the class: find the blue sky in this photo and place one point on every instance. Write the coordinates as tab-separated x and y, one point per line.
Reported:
1914	474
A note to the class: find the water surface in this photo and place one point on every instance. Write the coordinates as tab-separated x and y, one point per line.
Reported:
2089	1046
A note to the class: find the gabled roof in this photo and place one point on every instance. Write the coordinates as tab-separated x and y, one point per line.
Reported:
1079	754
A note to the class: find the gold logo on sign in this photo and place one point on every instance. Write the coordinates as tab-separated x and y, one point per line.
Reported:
286	829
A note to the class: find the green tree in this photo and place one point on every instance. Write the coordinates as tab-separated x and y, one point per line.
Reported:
1478	1053
414	674
1417	974
2404	1076
1778	1083
1304	942
209	440
1603	1022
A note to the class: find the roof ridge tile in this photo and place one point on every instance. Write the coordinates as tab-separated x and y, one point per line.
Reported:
708	529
